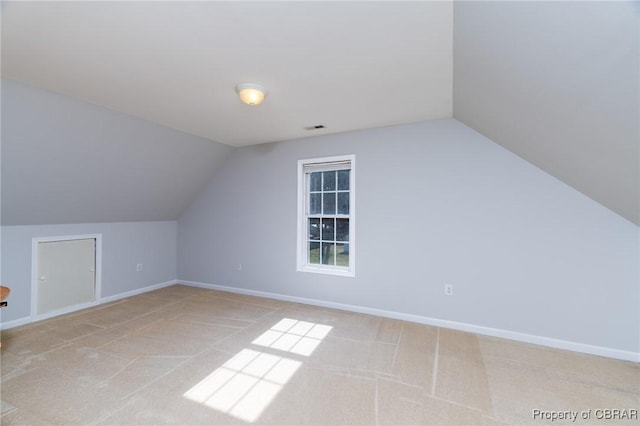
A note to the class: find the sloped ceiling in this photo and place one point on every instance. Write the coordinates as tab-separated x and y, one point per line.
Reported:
67	161
558	84
555	82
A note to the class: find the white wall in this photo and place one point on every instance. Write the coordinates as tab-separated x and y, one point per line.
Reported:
124	245
436	203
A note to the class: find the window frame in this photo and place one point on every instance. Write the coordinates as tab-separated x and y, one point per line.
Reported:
302	238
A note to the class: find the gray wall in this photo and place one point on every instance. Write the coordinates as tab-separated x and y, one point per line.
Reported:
557	83
436	203
67	161
123	246
69	167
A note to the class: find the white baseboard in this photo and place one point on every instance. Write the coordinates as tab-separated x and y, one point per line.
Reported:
27	320
137	291
15	323
486	331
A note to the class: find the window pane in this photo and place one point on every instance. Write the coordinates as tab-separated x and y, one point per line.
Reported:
342	230
329	181
328	250
315	203
316	181
328	230
343	203
342	254
329	203
314	229
314	252
343	179
326	193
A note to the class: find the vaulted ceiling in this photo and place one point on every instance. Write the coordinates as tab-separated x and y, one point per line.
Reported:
555	82
558	84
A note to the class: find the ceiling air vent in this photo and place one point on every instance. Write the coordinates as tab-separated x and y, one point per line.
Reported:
316	127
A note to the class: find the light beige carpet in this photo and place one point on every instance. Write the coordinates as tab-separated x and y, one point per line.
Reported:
190	356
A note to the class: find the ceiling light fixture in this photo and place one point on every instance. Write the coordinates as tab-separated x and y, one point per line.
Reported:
251	93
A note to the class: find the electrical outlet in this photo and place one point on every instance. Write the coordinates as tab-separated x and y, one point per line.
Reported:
448	289
139	267
239	267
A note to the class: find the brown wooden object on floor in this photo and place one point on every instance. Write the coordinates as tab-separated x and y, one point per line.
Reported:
4	293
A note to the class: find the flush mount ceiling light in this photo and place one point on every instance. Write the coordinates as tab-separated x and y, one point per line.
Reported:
251	93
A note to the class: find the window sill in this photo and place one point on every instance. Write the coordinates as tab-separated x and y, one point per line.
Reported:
328	271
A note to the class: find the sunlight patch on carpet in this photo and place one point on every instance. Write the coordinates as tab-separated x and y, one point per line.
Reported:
246	384
290	335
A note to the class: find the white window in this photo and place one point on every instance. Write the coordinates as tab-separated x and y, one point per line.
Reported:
326	207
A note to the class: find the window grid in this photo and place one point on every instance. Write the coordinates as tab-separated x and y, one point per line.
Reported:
326	205
323	212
